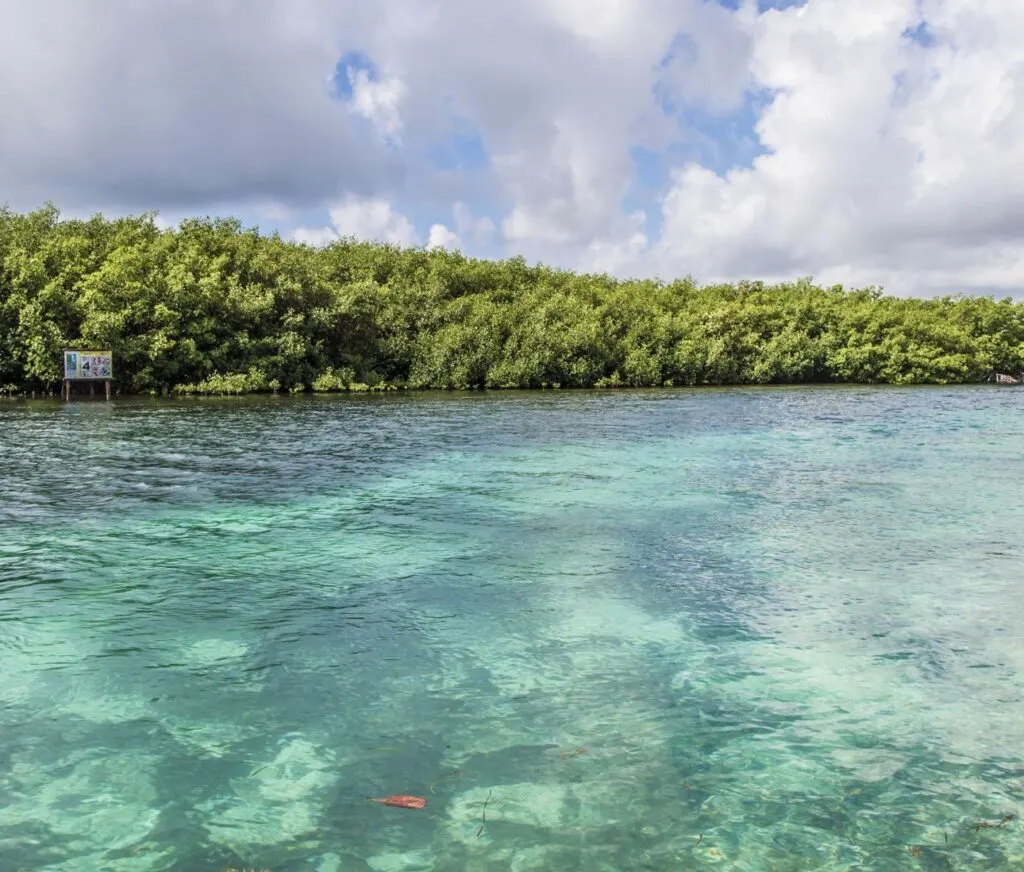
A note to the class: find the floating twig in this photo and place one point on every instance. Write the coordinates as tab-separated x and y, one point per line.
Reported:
988	825
700	838
483	815
454	774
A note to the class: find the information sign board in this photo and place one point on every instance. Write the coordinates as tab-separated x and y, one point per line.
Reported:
82	365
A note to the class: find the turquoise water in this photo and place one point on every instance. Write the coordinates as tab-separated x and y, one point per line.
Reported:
751	629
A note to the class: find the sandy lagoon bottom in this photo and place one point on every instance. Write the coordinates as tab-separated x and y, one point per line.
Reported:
757	630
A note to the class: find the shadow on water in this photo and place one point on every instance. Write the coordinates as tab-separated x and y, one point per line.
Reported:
633	632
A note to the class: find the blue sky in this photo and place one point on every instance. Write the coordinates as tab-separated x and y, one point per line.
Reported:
720	139
873	142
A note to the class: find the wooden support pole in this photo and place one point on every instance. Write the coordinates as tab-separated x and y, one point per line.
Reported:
67	390
108	389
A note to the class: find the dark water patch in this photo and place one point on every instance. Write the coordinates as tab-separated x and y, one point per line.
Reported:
650	630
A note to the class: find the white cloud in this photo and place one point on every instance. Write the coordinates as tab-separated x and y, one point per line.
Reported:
479	230
372	219
441	237
318	237
710	64
887	162
378	220
362	218
184	105
611	254
276	213
378	101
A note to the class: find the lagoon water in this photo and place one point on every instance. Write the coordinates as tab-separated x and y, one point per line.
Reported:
748	629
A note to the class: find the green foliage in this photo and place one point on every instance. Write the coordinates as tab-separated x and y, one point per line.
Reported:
331	380
252	382
214	308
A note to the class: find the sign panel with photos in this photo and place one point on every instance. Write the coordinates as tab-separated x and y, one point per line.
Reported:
80	365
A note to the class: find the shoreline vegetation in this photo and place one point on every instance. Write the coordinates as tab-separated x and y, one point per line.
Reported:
213	308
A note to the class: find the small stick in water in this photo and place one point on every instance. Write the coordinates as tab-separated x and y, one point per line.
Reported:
483	815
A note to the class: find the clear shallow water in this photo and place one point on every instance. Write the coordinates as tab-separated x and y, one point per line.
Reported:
786	627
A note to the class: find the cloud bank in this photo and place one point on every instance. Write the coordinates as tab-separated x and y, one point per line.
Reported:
866	143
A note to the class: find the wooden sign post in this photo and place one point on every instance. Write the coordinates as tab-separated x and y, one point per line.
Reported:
87	366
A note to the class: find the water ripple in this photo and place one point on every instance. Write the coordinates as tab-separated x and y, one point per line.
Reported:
757	629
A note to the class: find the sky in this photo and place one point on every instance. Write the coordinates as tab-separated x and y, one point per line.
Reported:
861	142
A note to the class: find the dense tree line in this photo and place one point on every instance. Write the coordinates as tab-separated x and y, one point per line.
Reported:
212	307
